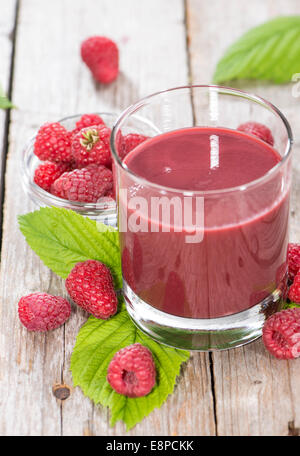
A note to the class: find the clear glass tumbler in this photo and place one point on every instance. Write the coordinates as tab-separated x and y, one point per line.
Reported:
202	268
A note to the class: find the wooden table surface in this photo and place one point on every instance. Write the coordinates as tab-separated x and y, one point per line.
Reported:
162	44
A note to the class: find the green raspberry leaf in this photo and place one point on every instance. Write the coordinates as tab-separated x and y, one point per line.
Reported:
270	52
62	238
5	103
96	344
291	305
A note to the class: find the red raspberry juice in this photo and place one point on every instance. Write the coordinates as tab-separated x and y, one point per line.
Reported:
242	257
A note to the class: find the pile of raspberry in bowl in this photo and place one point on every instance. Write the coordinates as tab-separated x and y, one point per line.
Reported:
69	164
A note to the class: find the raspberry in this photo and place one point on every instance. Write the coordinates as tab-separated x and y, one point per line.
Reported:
86	185
53	143
130	142
91	145
131	371
101	55
293	260
90	285
294	291
281	334
46	173
110	194
87	120
43	312
261	131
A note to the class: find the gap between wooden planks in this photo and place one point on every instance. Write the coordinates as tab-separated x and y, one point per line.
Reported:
8	19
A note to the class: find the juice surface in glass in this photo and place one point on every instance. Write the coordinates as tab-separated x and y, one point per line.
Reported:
242	257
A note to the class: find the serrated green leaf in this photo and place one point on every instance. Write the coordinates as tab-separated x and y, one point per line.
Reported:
97	342
62	238
270	51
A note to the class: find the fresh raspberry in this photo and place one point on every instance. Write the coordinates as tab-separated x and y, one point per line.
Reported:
130	142
294	291
53	143
91	145
87	120
46	173
281	334
131	371
86	185
90	285
293	260
101	55
43	312
110	194
257	129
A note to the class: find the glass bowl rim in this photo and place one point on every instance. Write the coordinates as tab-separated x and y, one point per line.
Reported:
223	90
47	197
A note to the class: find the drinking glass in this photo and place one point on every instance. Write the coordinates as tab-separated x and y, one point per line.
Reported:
202	270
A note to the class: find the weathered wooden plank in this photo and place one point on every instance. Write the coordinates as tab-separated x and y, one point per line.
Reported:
255	394
50	82
7	24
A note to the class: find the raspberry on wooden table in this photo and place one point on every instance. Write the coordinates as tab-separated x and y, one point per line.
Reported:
132	372
101	55
53	143
293	260
43	312
281	334
90	285
294	291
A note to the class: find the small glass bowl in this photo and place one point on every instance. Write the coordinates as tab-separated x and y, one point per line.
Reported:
104	210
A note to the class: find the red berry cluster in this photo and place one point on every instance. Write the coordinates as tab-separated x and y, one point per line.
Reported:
281	332
77	164
90	285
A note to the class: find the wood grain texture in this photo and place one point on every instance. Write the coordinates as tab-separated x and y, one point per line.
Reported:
50	82
255	394
7	26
